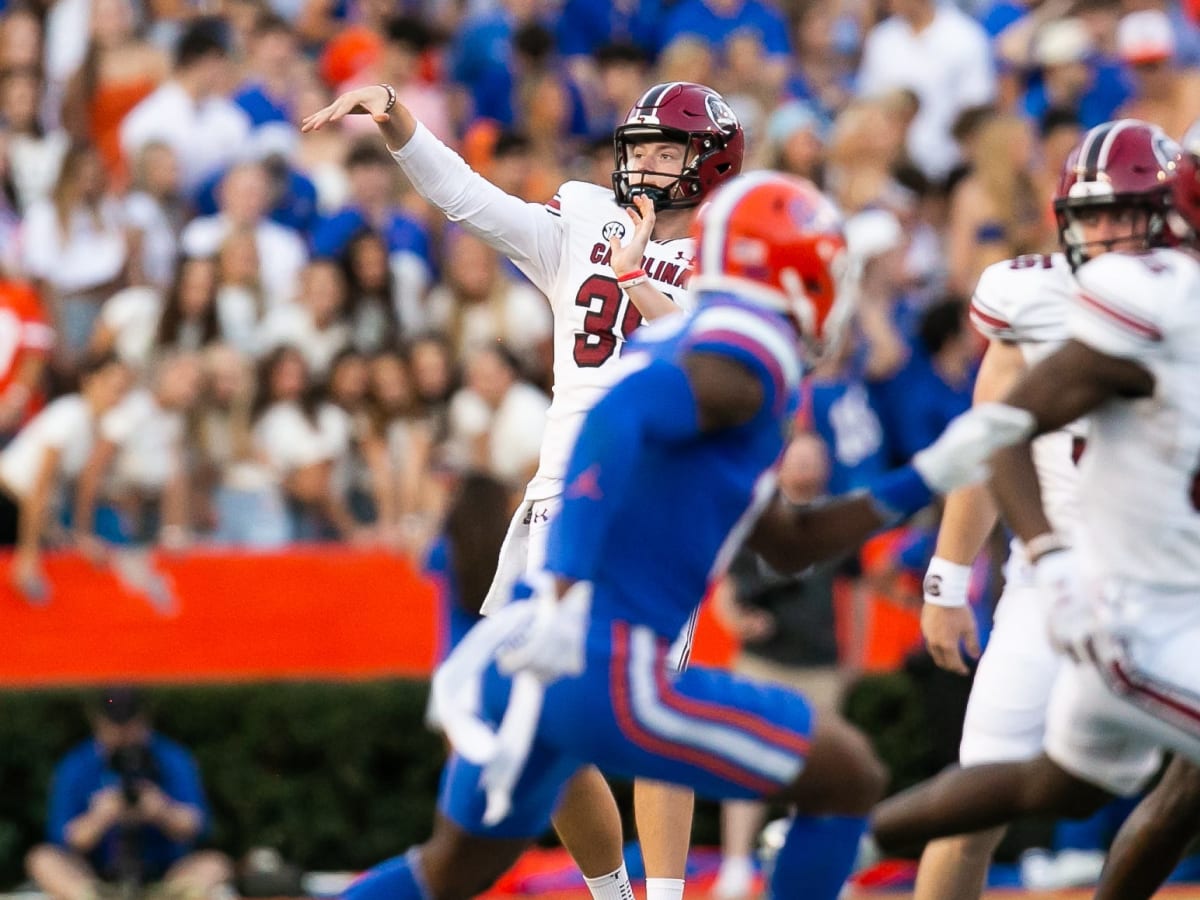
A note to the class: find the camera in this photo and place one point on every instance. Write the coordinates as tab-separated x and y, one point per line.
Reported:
133	764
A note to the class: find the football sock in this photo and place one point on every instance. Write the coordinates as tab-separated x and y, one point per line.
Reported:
397	879
664	889
817	857
613	886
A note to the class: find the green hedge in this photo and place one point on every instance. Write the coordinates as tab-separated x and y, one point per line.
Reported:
337	776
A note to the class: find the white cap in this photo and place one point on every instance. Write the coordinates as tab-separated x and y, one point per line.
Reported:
1062	41
1145	36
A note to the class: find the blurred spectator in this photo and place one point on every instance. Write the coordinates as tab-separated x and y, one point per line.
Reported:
304	439
686	58
865	146
1072	76
943	56
365	477
137	321
118	71
267	90
75	250
321	154
434	377
478	305
27	339
316	325
34	155
795	141
51	450
373	204
935	385
409	438
126	809
244	199
820	71
584	27
154	214
1185	26
190	112
371	304
622	73
462	559
496	419
722	23
238	494
996	211
1165	94
483	58
407	40
135	487
241	300
785	624
20	38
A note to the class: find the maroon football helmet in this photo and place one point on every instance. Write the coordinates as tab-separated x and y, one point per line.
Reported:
682	113
1127	164
1185	198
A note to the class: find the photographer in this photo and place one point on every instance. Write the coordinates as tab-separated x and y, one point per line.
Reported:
126	809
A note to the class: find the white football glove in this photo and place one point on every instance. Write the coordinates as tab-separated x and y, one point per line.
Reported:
959	456
1072	618
551	643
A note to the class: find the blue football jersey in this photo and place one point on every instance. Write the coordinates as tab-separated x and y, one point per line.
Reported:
690	504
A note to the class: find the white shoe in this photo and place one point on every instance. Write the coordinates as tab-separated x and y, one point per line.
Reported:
1042	871
735	880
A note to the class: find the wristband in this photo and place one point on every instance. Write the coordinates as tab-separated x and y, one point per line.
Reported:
391	92
947	583
632	282
899	494
1047	542
624	280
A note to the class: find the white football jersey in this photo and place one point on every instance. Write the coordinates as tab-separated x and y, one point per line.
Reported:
593	317
1025	301
1139	487
563	247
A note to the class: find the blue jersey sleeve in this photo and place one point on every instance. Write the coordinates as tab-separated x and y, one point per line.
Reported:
759	343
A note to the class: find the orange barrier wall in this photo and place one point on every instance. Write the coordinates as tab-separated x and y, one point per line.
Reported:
308	613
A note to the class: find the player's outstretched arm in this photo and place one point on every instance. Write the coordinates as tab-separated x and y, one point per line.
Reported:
1061	388
524	232
970	515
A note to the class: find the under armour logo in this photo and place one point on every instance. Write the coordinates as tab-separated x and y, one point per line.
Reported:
613	230
681	256
540	515
586	484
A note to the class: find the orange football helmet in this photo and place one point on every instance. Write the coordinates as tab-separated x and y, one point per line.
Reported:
777	241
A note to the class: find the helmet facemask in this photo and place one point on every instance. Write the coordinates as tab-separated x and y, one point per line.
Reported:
1148	227
685	191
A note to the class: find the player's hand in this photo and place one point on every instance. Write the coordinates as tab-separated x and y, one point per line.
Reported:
397	125
549	642
949	632
960	455
1072	620
628	258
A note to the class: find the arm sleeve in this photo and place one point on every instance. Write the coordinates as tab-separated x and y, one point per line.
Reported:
653	405
527	233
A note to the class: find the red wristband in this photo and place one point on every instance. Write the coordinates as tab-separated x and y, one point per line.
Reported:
629	276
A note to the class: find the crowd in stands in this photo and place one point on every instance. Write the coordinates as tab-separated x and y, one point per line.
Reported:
215	329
